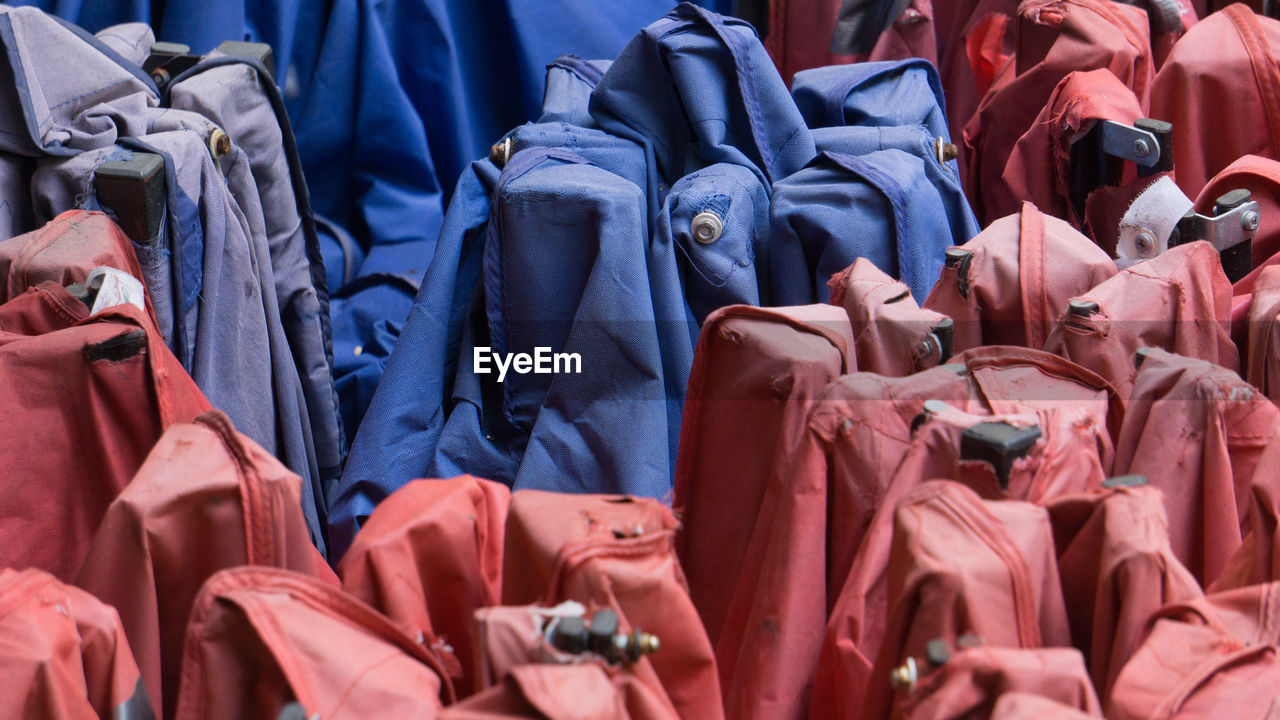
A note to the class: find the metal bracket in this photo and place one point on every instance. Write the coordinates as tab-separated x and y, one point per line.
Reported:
1235	220
169	60
1097	159
602	637
134	190
252	50
999	444
1128	142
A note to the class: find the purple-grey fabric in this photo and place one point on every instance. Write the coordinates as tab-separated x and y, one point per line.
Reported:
231	279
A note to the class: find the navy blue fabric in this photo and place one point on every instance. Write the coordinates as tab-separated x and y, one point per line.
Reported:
874	94
722	272
391	99
560	254
570	80
696	89
878	206
918	141
594	302
368	316
396	440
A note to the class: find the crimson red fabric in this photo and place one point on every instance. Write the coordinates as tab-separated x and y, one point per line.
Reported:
851	446
892	334
1029	706
64	251
1051	38
1021	271
1197	432
911	35
429	556
978	42
564	692
507	636
800	33
520	674
1257	560
1178	301
1262	350
261	637
1220	87
857	435
63	654
618	552
1210	658
201	481
755	374
977	682
1117	569
1261	177
949	563
87	398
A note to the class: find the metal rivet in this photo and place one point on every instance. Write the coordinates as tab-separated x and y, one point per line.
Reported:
500	152
706	227
1141	148
1082	308
956	255
1250	221
1144	243
160	77
219	143
923	349
946	151
904	676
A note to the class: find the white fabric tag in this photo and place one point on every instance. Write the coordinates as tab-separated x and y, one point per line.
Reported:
118	288
1149	221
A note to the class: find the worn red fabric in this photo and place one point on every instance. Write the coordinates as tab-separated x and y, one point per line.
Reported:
976	681
63	654
1014	380
1262	352
1178	301
618	552
892	334
507	636
1210	658
1117	569
765	365
260	638
1220	87
1018	705
429	556
976	41
800	33
1261	177
201	482
1257	560
87	398
564	692
64	251
911	35
1020	272
860	429
1040	165
1051	38
1197	431
949	564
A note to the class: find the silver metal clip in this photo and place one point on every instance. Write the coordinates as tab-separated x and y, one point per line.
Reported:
1129	143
